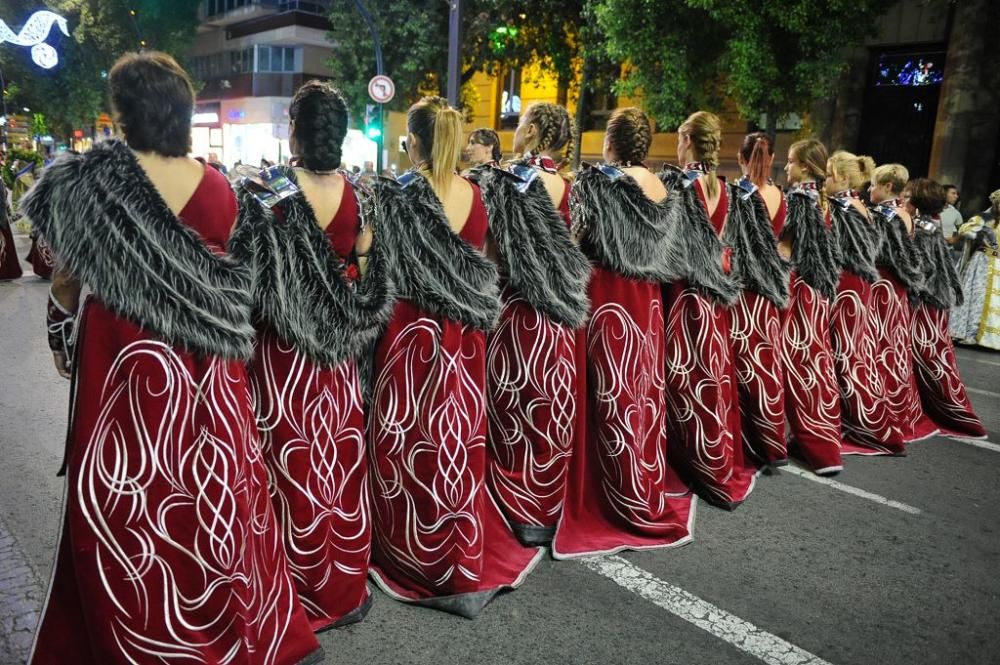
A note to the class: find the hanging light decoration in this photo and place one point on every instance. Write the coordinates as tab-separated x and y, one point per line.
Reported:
34	33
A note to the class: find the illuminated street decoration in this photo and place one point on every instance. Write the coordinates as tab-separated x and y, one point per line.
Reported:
33	34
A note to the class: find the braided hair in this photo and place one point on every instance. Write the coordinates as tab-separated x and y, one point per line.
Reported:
319	113
556	129
705	131
629	135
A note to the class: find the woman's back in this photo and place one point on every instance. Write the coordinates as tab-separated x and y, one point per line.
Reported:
651	186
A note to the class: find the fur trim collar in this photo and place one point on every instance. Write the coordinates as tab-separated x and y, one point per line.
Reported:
897	252
113	231
299	286
536	253
756	263
857	238
430	265
815	255
942	288
701	246
622	230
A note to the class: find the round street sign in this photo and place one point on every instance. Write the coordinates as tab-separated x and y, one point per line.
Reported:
381	89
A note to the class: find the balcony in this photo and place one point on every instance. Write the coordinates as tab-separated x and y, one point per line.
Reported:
222	13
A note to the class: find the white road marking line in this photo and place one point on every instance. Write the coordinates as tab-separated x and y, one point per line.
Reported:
979	443
848	489
742	634
979	391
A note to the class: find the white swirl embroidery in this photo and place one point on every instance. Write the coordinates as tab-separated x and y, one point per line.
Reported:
531	378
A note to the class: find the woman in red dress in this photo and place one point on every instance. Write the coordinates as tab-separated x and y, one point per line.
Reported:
440	540
899	282
812	398
531	355
867	426
314	319
756	219
622	493
10	266
170	550
703	404
942	392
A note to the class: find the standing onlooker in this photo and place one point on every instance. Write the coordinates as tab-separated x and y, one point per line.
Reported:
951	218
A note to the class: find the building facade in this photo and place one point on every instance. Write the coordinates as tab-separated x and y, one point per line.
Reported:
251	56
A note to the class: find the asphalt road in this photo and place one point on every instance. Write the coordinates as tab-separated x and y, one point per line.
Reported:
906	574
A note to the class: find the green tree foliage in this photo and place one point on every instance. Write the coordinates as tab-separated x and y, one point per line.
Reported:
782	56
771	56
74	93
497	34
671	51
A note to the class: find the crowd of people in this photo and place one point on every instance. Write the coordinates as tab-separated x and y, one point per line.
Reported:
427	381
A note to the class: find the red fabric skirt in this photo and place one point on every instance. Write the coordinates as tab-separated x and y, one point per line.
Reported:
942	392
812	399
40	257
622	494
531	382
10	267
439	539
866	422
755	333
890	322
170	551
312	425
702	400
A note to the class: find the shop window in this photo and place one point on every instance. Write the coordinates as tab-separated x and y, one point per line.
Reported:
510	100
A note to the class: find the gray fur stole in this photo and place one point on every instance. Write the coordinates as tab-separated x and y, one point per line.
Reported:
620	229
815	254
897	252
942	288
430	265
756	262
857	239
700	245
299	286
535	251
113	231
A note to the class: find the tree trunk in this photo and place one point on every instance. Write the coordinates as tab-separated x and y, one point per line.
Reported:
583	105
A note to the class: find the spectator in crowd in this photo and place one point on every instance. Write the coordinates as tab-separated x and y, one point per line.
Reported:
951	218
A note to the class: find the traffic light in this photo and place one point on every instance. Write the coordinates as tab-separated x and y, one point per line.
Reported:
501	37
373	122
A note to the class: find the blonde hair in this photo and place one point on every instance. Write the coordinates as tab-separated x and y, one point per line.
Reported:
891	174
857	170
438	127
812	155
705	131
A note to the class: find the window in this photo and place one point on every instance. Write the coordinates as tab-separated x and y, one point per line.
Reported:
910	69
276	59
241	61
510	100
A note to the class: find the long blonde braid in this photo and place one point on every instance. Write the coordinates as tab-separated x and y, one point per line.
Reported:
705	131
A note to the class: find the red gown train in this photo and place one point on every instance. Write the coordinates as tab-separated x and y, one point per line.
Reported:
169	551
439	538
622	493
755	333
312	423
867	425
942	392
812	398
703	405
531	357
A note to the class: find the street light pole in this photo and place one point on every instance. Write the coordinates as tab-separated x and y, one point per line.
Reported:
379	70
3	100
454	50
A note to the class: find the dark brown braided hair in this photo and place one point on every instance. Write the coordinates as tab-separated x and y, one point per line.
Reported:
630	135
320	116
556	129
